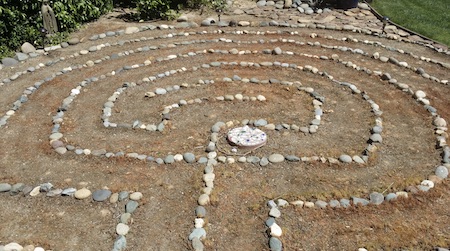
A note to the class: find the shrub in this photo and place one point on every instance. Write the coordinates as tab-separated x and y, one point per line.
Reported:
21	20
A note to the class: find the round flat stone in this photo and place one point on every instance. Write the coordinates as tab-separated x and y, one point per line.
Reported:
203	199
198	233
101	195
376	198
122	229
83	193
441	172
136	196
131	206
4	187
345	158
276	158
275	244
200	212
189	157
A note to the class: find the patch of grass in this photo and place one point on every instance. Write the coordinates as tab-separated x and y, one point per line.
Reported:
430	18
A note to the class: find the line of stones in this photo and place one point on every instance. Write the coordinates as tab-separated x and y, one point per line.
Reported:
100	195
314	124
163	26
134	66
59	146
31	89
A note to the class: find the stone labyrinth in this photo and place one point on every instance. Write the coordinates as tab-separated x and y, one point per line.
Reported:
120	139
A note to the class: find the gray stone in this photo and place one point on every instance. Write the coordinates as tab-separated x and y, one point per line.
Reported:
376	198
27	48
260	122
376	138
345	203
197	244
21	56
73	41
264	161
253	159
334	203
123	195
54	192
4	187
261	3
202	160
345	158
131	206
292	158
9	62
321	204
199	233
45	187
68	191
275	212
275	244
169	159
189	157
160	91
360	201
101	195
125	218
120	244
391	196
277	51
270	221
200	212
16	188
441	172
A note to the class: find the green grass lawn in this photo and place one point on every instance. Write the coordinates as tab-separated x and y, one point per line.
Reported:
430	18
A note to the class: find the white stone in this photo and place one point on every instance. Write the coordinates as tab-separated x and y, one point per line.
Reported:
122	229
83	193
420	94
35	191
212	155
309	204
276	158
208	177
203	200
199	222
12	247
261	98
402	194
440	122
427	183
131	30
275	230
178	157
298	203
136	196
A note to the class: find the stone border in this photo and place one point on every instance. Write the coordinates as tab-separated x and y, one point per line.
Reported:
100	195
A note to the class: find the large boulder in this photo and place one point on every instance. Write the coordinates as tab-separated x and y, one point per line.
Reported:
28	48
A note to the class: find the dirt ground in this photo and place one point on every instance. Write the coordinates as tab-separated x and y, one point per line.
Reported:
238	210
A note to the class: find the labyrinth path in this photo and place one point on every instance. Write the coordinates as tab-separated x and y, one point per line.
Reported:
122	140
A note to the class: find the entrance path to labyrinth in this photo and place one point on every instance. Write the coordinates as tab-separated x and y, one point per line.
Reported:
118	140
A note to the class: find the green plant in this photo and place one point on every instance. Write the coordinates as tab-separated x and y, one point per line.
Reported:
427	17
152	9
21	20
